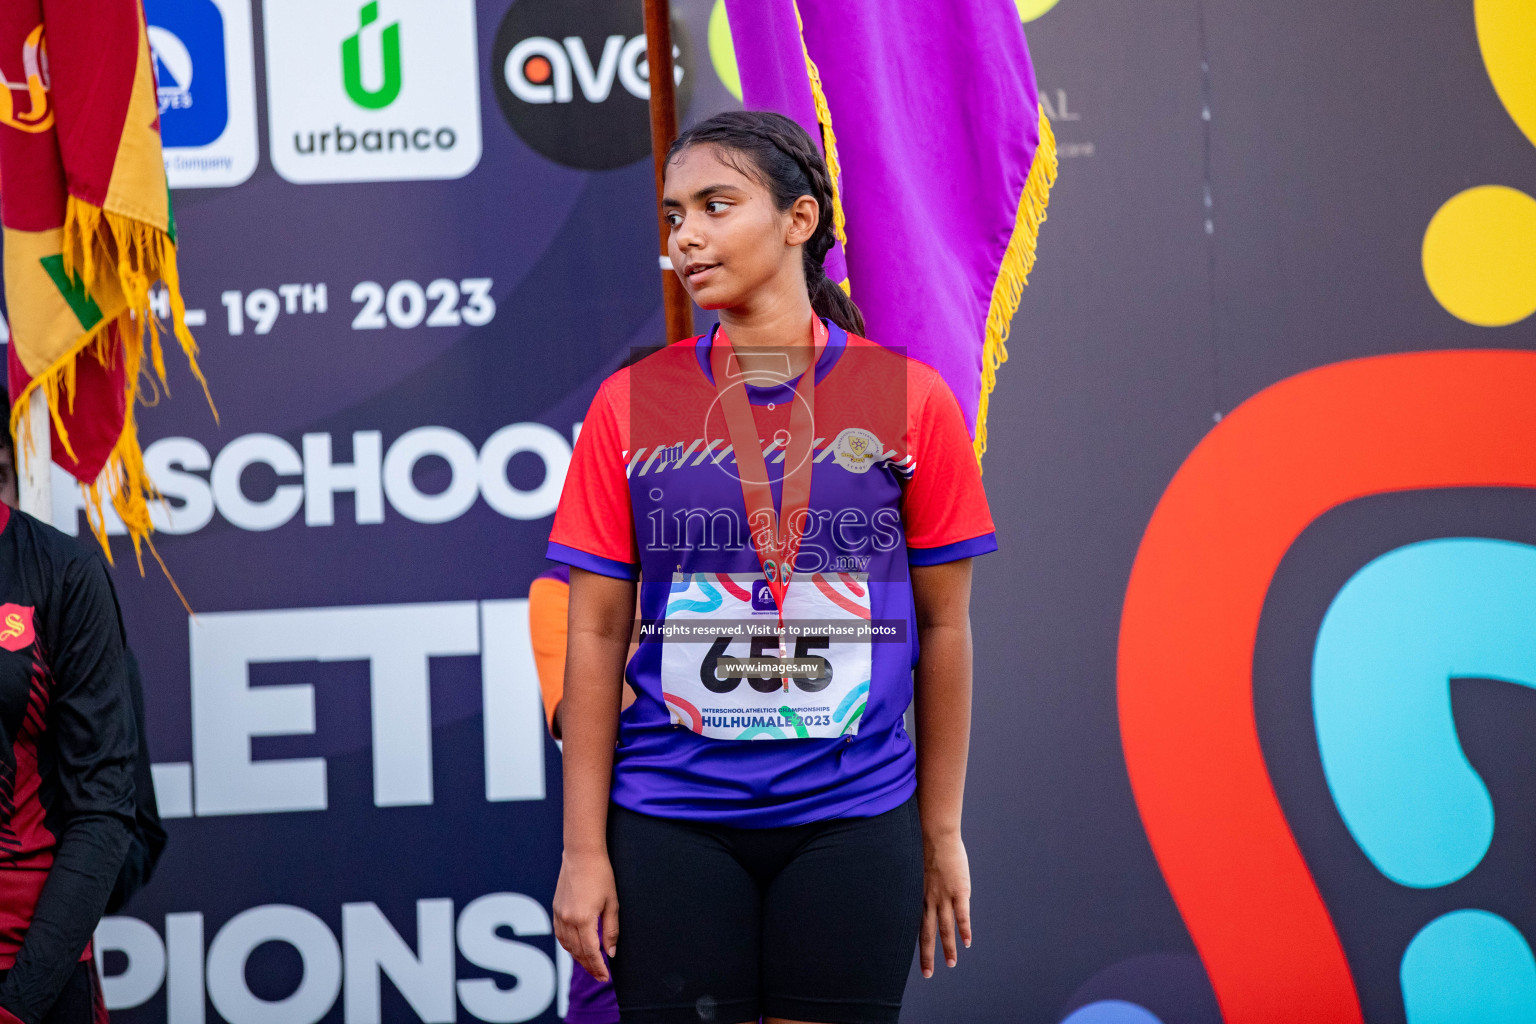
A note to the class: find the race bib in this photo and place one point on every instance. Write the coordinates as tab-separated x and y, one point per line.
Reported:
727	672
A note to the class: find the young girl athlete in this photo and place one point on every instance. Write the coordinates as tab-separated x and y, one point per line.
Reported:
800	508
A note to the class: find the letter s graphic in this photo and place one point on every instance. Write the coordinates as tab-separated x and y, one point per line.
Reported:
1191	617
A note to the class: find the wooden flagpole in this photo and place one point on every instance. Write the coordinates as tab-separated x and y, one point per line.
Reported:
658	52
34	460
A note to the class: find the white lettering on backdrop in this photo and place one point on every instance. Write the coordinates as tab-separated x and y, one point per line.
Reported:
197	484
370	950
397	641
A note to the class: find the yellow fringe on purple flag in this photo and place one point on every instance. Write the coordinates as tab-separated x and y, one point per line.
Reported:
828	139
1018	261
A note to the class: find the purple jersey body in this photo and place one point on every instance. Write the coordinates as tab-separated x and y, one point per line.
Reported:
651	494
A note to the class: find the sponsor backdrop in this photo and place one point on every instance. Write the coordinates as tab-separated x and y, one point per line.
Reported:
1209	769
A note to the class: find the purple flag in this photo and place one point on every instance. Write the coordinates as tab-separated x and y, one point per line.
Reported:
774	76
946	161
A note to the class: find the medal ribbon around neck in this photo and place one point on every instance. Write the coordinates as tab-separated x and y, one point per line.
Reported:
776	552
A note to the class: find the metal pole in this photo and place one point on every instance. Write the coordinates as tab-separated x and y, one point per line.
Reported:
34	458
658	53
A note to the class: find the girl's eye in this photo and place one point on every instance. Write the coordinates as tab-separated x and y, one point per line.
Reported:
674	219
716	206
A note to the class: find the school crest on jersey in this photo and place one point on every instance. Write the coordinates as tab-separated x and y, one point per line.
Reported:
856	449
16	631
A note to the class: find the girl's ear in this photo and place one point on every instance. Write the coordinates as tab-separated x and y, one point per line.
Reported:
804	215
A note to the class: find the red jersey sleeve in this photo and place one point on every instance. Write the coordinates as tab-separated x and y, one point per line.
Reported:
945	509
594	526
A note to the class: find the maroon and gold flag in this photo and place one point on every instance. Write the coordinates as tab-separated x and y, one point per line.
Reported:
88	233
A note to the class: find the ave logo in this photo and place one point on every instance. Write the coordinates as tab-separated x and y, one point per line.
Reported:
206	85
538	70
572	79
372	90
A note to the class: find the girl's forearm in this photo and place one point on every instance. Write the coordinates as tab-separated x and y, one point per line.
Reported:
589	723
597	647
943	710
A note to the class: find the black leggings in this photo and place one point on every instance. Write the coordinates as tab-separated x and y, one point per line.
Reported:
721	925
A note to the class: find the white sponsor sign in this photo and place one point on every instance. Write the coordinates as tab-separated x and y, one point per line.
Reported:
384	90
205	69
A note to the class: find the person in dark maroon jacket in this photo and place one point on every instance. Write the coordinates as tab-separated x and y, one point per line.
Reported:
68	743
149	837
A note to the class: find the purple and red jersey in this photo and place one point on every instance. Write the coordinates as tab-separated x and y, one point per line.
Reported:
652	495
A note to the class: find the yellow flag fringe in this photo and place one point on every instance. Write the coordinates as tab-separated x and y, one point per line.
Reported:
1018	261
138	255
828	140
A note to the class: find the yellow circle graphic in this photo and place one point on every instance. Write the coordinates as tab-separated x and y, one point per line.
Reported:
722	50
1506	33
1480	255
1029	10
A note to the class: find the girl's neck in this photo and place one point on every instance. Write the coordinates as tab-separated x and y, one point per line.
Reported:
780	322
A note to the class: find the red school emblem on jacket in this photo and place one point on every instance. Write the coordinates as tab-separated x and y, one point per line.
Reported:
16	631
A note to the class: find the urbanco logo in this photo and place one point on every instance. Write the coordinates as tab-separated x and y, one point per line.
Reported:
352	62
372	90
205	69
572	79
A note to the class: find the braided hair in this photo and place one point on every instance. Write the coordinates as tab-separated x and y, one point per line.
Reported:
782	156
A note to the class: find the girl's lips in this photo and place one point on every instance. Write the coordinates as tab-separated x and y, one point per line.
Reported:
701	274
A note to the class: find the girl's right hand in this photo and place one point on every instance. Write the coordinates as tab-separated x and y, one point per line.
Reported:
586	898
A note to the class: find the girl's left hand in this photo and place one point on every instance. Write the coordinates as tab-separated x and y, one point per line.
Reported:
946	899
